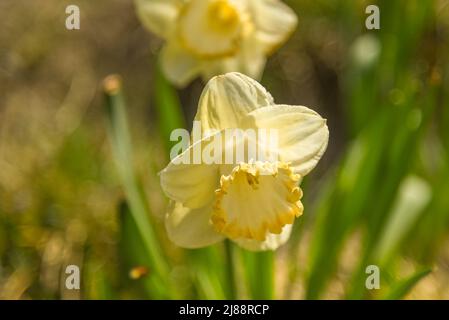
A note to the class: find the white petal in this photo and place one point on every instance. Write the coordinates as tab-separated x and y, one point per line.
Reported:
272	242
179	66
158	16
191	184
303	134
190	228
275	22
228	98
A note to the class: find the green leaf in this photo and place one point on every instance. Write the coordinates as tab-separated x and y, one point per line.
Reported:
168	108
413	196
133	254
401	289
120	140
208	270
259	272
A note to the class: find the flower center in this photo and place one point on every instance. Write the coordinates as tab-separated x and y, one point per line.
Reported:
256	199
222	16
210	28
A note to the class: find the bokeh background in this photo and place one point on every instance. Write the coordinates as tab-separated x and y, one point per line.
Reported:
379	196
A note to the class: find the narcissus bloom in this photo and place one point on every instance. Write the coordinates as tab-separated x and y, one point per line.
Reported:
211	37
253	202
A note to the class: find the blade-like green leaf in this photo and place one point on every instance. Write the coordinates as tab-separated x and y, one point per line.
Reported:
168	108
401	289
120	140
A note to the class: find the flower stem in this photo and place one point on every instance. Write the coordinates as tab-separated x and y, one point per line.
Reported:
230	270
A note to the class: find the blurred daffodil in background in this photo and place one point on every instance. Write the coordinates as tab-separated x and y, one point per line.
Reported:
212	37
251	202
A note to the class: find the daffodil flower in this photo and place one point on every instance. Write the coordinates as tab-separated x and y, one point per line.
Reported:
211	37
253	203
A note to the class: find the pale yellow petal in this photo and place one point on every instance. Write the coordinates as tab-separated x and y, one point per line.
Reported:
187	179
274	21
158	16
179	66
249	60
252	58
228	98
190	228
272	241
303	134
